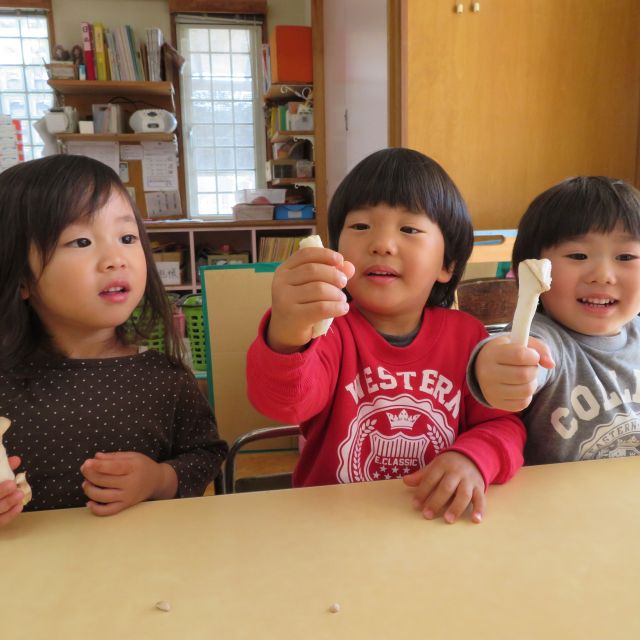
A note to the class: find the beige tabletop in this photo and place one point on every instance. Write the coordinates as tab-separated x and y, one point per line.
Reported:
558	556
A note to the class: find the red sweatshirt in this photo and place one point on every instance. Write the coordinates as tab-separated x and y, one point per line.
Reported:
373	411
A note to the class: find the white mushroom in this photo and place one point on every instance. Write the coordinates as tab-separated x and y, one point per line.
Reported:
335	607
534	278
163	605
321	327
6	472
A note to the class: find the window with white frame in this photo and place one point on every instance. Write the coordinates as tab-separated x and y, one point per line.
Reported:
222	120
24	92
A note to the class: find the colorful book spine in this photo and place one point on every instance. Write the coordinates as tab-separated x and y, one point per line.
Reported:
87	46
102	72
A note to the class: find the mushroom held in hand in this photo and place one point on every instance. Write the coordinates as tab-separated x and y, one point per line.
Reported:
319	328
5	470
534	278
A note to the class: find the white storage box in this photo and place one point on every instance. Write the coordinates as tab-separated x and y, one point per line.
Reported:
261	196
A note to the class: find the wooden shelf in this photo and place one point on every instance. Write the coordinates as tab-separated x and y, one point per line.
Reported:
283	136
189	224
286	91
115	137
290	181
112	87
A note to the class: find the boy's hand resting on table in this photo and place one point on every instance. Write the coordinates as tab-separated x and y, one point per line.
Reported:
449	483
306	289
10	496
507	373
118	480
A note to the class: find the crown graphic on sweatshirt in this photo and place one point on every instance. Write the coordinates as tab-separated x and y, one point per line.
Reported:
403	420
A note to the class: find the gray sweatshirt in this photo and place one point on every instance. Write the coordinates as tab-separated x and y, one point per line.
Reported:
588	406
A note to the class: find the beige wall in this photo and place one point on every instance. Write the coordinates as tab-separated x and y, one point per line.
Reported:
68	14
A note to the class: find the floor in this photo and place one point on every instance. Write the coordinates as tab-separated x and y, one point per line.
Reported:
263	463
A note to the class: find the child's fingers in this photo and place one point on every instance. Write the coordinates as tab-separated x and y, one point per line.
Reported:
101	466
104	495
14	462
11	514
109	509
312	272
439	499
429	477
320	255
543	351
466	494
478	505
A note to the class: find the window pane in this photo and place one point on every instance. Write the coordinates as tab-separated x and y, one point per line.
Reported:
220	64
9	27
198	39
35	51
36	78
241	64
222	89
207	204
240	42
10	50
227	181
225	158
24	92
218	102
201	112
224	135
226	202
246	179
201	89
14	104
200	65
242	89
206	182
11	79
34	27
243	112
202	135
204	159
39	104
219	40
222	112
245	158
244	135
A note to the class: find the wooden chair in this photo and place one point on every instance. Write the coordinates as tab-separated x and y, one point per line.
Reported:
490	300
235	298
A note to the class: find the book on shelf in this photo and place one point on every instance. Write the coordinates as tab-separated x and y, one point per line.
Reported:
100	57
87	47
117	54
277	248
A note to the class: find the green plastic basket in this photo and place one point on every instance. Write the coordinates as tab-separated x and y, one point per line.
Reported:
156	339
192	309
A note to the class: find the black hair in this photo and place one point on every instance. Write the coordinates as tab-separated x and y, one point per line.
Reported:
572	208
38	200
400	177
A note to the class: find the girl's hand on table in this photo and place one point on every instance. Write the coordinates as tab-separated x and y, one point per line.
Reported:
118	480
10	496
449	483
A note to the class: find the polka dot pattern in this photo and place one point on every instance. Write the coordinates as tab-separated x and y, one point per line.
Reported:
64	411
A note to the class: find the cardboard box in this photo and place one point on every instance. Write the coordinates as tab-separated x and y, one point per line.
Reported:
241	257
168	265
294	212
291	54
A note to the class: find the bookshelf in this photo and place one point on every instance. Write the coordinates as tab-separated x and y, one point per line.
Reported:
289	148
131	95
197	237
